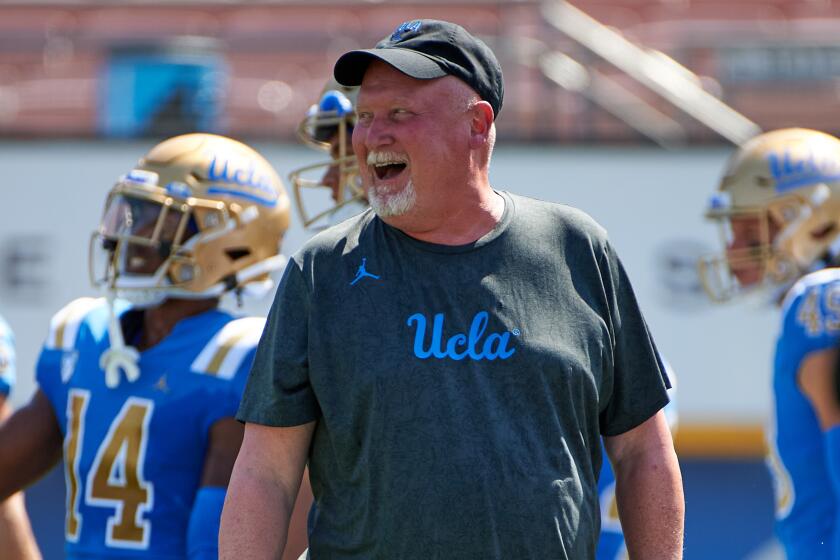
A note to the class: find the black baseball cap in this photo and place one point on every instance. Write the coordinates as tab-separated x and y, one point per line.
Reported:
427	49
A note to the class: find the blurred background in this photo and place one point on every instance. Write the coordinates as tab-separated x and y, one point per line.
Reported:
626	109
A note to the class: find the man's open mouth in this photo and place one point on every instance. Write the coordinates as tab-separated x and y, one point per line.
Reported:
388	171
387	165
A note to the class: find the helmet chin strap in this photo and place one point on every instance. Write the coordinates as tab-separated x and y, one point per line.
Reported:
244	278
118	356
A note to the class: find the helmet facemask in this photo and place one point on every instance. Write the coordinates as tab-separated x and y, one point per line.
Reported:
328	191
770	245
739	269
145	247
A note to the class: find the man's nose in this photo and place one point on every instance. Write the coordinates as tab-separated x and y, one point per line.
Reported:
377	134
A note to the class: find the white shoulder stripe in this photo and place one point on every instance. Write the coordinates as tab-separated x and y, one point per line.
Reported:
823	276
223	355
64	326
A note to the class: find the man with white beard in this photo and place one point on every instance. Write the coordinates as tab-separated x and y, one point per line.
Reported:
450	401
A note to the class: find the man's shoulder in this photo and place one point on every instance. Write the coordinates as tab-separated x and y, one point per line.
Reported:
81	313
811	308
534	211
230	347
809	285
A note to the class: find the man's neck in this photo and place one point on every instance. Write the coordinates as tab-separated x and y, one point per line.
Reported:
159	321
461	224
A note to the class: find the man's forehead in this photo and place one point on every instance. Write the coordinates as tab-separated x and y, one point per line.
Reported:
381	77
391	84
385	94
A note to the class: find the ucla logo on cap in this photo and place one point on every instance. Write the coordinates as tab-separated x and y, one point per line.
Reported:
406	27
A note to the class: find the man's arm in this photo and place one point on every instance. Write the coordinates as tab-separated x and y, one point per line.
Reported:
817	379
262	491
30	445
203	531
16	539
203	536
649	489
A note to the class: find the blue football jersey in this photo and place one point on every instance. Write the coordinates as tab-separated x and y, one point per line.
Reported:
805	503
7	359
134	454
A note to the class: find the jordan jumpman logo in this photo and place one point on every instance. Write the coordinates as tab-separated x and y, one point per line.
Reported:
362	272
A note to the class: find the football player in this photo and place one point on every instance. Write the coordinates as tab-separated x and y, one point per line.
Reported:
16	539
778	206
137	390
329	191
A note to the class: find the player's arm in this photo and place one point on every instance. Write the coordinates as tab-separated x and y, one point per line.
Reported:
262	492
203	531
30	445
648	489
16	539
817	381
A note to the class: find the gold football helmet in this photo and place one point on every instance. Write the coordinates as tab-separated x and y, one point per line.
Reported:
778	207
329	190
198	216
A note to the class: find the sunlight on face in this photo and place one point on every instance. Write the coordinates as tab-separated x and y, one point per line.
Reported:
747	248
412	146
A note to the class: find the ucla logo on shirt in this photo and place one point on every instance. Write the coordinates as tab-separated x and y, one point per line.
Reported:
476	343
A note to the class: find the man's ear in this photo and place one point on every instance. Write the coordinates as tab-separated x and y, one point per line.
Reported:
481	121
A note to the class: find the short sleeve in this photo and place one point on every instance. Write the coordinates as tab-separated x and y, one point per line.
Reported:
639	381
223	399
7	359
278	391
